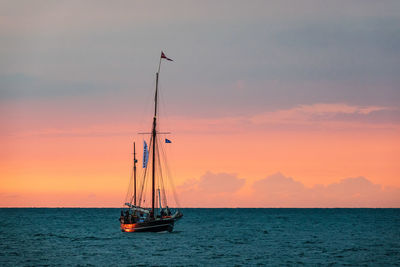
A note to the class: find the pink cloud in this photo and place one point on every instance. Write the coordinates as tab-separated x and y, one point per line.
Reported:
278	190
211	190
220	183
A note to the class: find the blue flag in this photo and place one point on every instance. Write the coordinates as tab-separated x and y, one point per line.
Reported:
145	154
167	141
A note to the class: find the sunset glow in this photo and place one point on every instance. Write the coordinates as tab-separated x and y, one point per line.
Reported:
259	116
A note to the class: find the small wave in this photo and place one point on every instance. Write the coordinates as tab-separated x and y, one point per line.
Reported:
59	236
90	238
50	235
310	242
237	242
14	253
176	232
354	249
283	217
39	234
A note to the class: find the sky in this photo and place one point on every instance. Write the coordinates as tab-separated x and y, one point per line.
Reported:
270	103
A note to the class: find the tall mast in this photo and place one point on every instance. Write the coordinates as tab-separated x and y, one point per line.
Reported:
134	173
154	137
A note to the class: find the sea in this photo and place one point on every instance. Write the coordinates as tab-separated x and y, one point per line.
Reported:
203	237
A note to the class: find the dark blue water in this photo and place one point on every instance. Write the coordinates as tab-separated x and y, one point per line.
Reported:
222	237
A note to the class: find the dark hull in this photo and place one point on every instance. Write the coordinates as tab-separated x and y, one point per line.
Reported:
160	225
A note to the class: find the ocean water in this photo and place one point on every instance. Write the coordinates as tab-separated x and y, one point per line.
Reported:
211	237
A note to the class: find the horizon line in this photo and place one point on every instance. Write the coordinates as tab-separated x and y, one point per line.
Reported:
44	207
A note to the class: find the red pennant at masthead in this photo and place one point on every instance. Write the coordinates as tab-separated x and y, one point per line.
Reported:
164	56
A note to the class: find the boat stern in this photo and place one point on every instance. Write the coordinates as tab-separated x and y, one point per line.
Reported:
127	227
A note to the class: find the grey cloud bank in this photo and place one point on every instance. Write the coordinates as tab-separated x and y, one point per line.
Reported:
286	54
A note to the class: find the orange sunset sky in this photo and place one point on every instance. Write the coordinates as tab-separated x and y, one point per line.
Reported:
269	104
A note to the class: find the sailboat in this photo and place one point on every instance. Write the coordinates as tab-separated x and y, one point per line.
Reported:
135	215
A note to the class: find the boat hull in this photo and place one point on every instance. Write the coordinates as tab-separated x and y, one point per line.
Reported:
160	225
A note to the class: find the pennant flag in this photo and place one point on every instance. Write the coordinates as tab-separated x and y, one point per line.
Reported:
167	141
145	154
164	56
